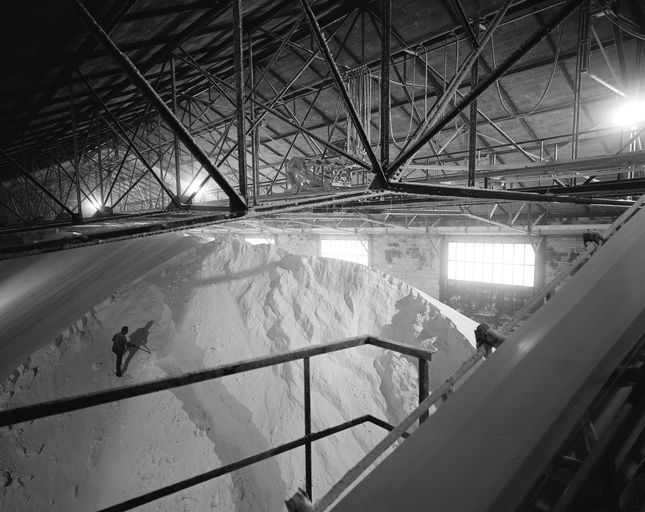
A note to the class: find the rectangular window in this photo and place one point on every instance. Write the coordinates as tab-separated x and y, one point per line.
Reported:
496	263
347	249
258	240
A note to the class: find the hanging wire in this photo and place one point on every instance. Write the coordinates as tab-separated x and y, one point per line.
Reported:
546	89
407	137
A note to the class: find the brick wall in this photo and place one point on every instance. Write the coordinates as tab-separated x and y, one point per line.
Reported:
413	259
560	252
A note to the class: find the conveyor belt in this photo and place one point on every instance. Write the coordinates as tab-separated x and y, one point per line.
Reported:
487	447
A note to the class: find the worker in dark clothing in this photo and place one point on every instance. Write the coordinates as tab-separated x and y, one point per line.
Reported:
119	344
593	237
489	337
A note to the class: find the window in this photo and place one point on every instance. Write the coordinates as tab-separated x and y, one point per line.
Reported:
512	264
345	249
258	240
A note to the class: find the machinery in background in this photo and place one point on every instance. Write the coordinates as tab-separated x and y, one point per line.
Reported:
312	173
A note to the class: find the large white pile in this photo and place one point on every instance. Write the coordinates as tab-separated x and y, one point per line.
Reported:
214	304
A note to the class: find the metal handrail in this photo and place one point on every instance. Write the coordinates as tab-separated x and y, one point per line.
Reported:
229	468
45	409
441	393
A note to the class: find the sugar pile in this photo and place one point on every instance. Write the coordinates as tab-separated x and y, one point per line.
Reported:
204	306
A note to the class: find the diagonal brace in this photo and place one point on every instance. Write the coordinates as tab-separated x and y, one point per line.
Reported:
237	203
335	73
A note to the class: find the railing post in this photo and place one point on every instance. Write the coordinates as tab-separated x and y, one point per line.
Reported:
424	385
307	377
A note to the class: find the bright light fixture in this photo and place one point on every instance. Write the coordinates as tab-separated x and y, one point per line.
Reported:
629	114
92	205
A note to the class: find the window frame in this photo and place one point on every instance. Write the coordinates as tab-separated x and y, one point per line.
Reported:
364	242
502	263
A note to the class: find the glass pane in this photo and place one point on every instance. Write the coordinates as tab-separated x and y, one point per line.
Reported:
488	253
508	254
345	249
529	275
459	248
529	256
488	273
468	271
259	241
452	251
451	270
518	275
478	271
478	252
498	253
497	273
459	270
518	257
468	251
507	274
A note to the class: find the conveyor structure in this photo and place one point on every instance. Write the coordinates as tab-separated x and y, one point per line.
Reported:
553	421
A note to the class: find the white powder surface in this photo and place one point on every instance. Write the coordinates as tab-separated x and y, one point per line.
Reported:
198	306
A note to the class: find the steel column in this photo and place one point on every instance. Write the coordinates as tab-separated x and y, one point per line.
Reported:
474	76
255	133
75	159
386	59
424	385
523	49
238	60
582	65
175	138
237	203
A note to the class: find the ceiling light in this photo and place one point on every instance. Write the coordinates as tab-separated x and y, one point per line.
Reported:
629	113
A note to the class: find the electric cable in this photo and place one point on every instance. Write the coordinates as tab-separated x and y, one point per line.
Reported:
546	89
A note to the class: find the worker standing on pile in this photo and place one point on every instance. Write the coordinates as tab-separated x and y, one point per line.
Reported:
119	344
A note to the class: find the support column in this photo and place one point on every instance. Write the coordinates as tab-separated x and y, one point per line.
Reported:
474	77
424	386
386	61
582	66
238	58
175	140
307	377
255	133
77	176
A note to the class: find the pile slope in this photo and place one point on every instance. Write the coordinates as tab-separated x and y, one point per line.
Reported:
213	304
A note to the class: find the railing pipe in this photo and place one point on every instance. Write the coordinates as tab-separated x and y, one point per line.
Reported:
307	377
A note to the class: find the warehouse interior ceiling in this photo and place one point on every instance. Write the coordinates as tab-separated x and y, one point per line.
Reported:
124	118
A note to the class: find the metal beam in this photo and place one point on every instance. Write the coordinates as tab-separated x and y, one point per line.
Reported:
523	49
237	203
507	195
238	61
33	180
386	59
442	102
324	48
